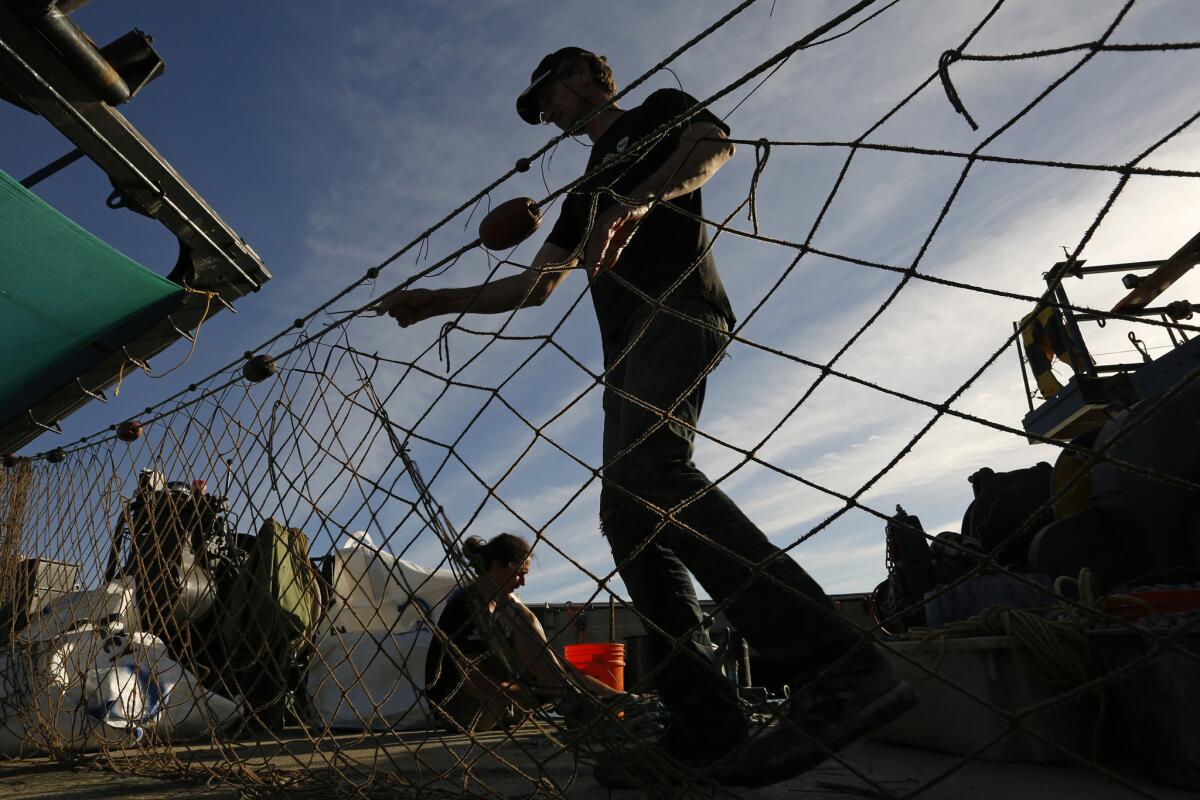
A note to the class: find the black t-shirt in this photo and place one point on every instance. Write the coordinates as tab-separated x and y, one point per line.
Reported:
458	621
667	243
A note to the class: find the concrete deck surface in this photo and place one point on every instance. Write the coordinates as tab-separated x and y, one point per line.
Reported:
413	765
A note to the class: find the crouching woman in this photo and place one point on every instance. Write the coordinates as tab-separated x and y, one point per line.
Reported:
490	653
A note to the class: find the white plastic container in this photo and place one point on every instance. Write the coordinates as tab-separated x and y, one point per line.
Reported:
373	640
989	668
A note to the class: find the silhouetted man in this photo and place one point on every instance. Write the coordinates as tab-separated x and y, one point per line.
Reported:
634	223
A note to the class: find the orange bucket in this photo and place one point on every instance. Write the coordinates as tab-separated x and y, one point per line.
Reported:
604	662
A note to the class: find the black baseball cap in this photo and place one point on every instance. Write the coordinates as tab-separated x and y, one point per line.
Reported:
527	103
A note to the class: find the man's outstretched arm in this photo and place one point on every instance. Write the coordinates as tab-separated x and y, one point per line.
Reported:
530	287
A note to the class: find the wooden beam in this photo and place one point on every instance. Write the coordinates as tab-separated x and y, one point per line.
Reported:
1161	279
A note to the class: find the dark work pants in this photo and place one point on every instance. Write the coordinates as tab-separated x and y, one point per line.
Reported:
659	369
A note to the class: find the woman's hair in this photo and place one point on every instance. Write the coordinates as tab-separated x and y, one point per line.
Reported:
504	548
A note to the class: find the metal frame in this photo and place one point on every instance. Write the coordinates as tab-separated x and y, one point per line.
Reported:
1084	398
222	261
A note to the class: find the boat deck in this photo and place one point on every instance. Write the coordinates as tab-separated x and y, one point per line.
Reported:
528	763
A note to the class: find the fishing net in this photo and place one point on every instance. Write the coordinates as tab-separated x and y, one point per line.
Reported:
245	584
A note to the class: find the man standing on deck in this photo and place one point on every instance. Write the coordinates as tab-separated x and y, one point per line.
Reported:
634	225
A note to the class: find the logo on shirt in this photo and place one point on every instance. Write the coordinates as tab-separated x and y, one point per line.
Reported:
622	144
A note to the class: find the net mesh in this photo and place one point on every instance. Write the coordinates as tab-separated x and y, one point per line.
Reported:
187	595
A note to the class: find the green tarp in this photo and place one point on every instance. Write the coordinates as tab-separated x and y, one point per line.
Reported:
60	287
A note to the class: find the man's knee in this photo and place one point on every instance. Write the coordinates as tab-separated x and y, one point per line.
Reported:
617	528
626	521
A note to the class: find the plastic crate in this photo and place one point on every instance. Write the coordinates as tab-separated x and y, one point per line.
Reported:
988	667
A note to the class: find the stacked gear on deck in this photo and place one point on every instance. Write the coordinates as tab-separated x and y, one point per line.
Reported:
174	532
248	615
81	676
257	639
225	623
1120	498
1125	524
916	568
240	610
1133	526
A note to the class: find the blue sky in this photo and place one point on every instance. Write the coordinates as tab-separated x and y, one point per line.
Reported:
329	139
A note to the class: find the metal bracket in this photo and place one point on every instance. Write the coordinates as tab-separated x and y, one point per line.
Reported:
137	362
95	394
53	428
178	330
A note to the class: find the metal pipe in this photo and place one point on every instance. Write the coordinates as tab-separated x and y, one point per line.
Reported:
1132	265
1135	312
1021	359
80	54
1170	330
745	678
1089	366
53	167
